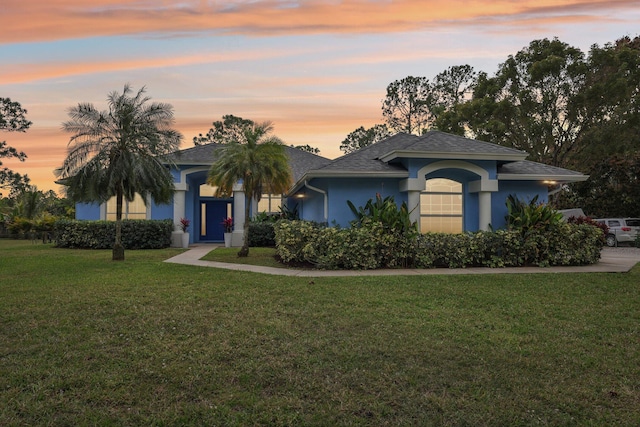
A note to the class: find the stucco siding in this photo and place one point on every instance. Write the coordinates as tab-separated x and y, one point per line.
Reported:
358	191
162	211
88	211
310	205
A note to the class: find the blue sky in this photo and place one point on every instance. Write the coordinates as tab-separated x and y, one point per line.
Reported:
316	69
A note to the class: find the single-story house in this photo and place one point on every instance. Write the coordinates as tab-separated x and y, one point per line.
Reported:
450	184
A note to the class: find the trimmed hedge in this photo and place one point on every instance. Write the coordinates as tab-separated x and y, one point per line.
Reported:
261	234
371	248
136	234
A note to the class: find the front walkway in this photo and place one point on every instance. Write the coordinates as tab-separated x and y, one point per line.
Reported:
613	260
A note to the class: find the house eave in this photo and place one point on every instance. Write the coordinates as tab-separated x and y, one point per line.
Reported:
399	154
345	174
536	177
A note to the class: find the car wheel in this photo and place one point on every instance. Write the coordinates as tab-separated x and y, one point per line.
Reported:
611	240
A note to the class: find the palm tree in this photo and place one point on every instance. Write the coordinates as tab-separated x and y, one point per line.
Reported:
120	152
260	162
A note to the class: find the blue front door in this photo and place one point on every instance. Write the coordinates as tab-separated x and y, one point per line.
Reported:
213	212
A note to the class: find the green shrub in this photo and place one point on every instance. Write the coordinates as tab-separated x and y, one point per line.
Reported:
261	234
593	222
291	237
359	248
371	247
136	234
337	248
19	226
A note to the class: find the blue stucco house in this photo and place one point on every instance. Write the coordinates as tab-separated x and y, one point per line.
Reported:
450	184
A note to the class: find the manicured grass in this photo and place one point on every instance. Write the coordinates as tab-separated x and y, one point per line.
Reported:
257	256
88	341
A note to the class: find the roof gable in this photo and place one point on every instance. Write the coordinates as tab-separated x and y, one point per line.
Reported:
367	159
440	145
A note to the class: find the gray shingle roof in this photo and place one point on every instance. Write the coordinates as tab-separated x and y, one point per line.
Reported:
525	169
205	155
378	157
437	144
367	159
197	155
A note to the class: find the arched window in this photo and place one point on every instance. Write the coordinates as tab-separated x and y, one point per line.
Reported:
441	206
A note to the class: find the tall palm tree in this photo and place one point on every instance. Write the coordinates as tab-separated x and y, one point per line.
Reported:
120	152
260	162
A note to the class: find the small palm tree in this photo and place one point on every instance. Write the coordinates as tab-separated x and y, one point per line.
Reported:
260	163
120	152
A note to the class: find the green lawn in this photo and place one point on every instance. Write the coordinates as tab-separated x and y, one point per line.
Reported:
88	341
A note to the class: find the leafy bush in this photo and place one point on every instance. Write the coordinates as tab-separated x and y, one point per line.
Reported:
39	228
19	225
371	248
291	237
593	222
358	248
136	234
390	229
265	217
383	236
261	234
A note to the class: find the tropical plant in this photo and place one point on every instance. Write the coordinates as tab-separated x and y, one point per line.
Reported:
120	152
288	213
227	223
386	212
184	224
532	216
259	163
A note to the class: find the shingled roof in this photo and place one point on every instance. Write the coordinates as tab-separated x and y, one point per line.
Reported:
526	170
205	155
382	158
436	144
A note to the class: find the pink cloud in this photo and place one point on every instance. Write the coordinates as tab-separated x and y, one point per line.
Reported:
25	21
27	72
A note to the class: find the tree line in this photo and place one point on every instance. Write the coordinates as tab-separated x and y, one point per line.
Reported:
562	106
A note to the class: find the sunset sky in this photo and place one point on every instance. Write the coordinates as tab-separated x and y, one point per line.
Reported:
317	69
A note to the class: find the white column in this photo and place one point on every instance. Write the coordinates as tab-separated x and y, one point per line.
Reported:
237	238
413	187
413	203
178	213
484	216
178	207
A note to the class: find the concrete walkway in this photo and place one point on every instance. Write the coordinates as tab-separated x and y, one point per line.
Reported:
613	260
